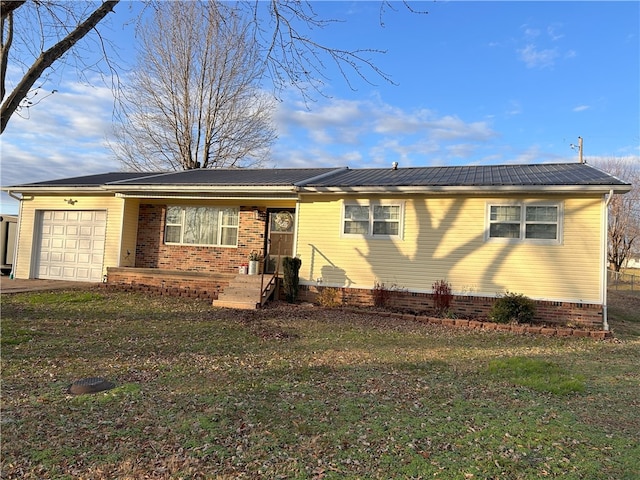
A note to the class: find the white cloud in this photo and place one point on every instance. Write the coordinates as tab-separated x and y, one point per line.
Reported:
581	108
63	136
552	32
348	131
535	58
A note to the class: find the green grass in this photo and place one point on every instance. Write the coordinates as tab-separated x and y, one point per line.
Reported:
539	375
298	392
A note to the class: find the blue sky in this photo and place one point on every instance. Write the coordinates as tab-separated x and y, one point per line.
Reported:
475	83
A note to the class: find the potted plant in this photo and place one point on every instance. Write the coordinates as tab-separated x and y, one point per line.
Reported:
254	262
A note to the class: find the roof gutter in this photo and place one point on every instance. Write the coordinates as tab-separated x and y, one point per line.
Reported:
29	189
478	189
175	189
230	196
19	198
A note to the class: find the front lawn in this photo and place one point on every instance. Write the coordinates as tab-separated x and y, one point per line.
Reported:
300	392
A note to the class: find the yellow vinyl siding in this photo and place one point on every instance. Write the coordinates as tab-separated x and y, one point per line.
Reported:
131	209
444	238
28	227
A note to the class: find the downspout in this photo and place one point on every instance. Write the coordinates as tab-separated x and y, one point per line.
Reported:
605	238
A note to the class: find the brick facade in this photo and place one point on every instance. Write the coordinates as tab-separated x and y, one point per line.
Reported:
553	313
169	282
152	252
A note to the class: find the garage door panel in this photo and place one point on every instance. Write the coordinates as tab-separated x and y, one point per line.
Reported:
71	245
55	271
83	274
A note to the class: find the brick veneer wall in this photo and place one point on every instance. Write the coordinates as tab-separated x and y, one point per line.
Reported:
151	251
169	282
555	313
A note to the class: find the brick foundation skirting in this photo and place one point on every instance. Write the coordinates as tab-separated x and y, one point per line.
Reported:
492	326
562	314
169	282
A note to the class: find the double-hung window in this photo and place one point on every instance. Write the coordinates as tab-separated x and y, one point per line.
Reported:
214	226
525	222
372	220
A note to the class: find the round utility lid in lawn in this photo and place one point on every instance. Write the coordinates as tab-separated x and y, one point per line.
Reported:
90	385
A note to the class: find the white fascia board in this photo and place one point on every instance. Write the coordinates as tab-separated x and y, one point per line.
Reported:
32	190
576	189
230	196
177	189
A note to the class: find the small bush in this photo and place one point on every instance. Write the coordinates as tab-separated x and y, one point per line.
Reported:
442	297
291	278
329	297
513	307
381	295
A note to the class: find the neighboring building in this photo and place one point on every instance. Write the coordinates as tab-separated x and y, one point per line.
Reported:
632	263
8	231
484	229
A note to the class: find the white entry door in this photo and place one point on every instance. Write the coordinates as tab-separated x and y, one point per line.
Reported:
71	245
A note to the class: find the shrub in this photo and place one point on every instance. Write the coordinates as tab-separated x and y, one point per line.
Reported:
381	295
442	296
291	278
513	307
329	297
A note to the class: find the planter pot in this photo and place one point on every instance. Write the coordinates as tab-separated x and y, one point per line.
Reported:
253	267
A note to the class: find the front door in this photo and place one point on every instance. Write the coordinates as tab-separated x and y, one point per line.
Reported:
281	228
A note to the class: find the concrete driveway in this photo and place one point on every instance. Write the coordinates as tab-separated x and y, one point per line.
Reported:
15	285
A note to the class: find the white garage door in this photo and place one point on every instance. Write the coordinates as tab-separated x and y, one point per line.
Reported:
71	245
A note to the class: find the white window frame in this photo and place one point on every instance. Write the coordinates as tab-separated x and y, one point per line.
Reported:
218	234
523	222
370	204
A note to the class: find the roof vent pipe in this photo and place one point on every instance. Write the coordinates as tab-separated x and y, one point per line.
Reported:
394	165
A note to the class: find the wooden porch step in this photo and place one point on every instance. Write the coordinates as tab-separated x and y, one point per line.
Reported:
243	292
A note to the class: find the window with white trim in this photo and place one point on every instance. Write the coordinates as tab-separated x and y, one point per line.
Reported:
372	220
213	226
525	222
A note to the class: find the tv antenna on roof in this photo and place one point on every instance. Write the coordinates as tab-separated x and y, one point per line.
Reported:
579	147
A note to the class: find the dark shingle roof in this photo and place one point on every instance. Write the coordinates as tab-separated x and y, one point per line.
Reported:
234	177
472	176
336	179
90	180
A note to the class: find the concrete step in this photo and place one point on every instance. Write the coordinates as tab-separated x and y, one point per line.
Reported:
235	304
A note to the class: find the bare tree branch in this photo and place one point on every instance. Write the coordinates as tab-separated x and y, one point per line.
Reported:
7	7
293	58
45	59
624	212
194	99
